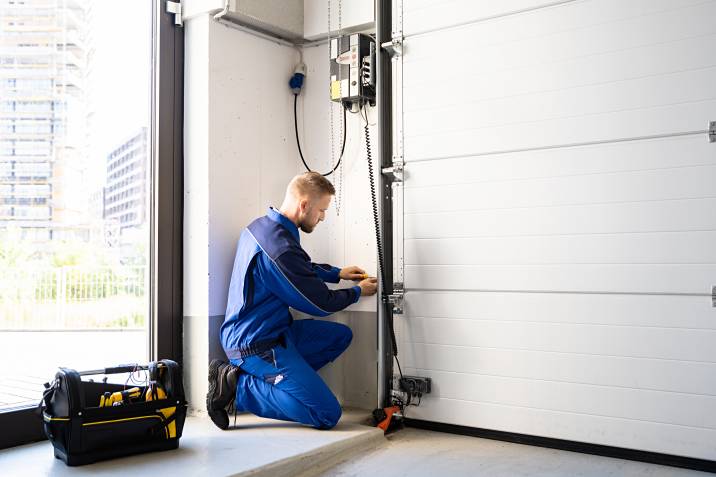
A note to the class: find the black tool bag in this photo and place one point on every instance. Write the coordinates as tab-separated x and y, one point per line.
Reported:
82	432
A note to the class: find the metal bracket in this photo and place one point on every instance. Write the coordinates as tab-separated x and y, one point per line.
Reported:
175	8
713	296
712	131
394	47
396	170
396	298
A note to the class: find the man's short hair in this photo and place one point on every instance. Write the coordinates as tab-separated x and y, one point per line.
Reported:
313	184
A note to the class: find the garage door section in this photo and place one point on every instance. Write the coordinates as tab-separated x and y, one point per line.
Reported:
560	218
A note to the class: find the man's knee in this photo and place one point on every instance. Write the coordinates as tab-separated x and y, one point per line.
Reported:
329	416
345	335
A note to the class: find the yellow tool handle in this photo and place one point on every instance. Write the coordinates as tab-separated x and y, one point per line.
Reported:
167	411
104	399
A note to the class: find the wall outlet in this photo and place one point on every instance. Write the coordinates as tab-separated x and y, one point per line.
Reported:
415	385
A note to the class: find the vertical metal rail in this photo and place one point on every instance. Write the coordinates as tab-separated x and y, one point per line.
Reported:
389	37
384	106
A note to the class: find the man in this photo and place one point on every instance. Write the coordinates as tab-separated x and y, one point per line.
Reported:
274	359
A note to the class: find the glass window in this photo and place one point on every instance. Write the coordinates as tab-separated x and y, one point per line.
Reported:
32	190
33	169
72	295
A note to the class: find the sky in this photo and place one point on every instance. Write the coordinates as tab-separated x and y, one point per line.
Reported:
119	78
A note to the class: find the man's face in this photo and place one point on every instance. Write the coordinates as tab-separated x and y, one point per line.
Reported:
313	211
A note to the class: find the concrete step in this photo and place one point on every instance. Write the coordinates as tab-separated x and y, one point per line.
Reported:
254	447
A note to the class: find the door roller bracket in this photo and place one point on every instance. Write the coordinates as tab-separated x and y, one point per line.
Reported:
396	298
395	172
394	47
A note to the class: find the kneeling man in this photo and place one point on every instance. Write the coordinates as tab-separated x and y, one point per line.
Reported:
274	359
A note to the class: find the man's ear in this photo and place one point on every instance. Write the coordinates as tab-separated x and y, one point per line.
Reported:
303	205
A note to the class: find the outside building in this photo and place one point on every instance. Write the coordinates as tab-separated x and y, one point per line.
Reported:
74	106
126	184
44	50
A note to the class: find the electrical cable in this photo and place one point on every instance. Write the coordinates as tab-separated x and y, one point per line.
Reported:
298	142
376	221
137	380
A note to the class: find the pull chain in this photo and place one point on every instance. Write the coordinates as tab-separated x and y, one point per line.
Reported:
339	199
330	97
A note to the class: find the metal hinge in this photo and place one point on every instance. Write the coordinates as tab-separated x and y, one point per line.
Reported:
396	298
396	170
712	131
394	47
175	8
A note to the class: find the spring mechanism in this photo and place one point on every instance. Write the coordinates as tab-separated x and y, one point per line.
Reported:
374	200
379	241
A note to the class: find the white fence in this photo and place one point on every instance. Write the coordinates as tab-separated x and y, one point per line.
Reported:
73	298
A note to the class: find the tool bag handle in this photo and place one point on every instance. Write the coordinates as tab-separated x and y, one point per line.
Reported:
122	368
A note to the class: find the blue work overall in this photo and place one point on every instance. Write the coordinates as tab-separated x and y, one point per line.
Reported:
280	356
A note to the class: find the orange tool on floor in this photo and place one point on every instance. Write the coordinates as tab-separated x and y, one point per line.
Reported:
384	417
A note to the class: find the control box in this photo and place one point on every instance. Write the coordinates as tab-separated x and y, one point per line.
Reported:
353	69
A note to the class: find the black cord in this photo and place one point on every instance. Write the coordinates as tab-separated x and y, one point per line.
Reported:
298	142
376	218
376	221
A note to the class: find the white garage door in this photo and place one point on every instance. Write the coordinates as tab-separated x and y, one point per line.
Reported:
560	218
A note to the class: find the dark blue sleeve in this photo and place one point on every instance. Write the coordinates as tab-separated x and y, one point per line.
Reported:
292	278
326	272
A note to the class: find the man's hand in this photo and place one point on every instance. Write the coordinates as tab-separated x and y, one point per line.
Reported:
368	287
353	273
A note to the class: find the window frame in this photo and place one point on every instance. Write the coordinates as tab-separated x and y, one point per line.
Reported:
167	175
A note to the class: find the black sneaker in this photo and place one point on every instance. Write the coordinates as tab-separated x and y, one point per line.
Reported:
223	377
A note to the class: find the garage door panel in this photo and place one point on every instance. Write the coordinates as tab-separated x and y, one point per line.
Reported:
631	186
640	435
567	56
635	217
517	19
642	405
578	75
650	248
580	103
558	218
569	278
669	311
602	340
631	156
442	12
606	127
635	373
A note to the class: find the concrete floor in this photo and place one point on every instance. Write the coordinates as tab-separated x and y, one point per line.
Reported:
262	447
419	453
256	447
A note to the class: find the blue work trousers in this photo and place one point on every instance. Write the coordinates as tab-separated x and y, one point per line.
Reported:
282	382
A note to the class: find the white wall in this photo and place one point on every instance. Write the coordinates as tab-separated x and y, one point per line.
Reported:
347	236
195	8
250	152
238	159
240	153
196	206
355	15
